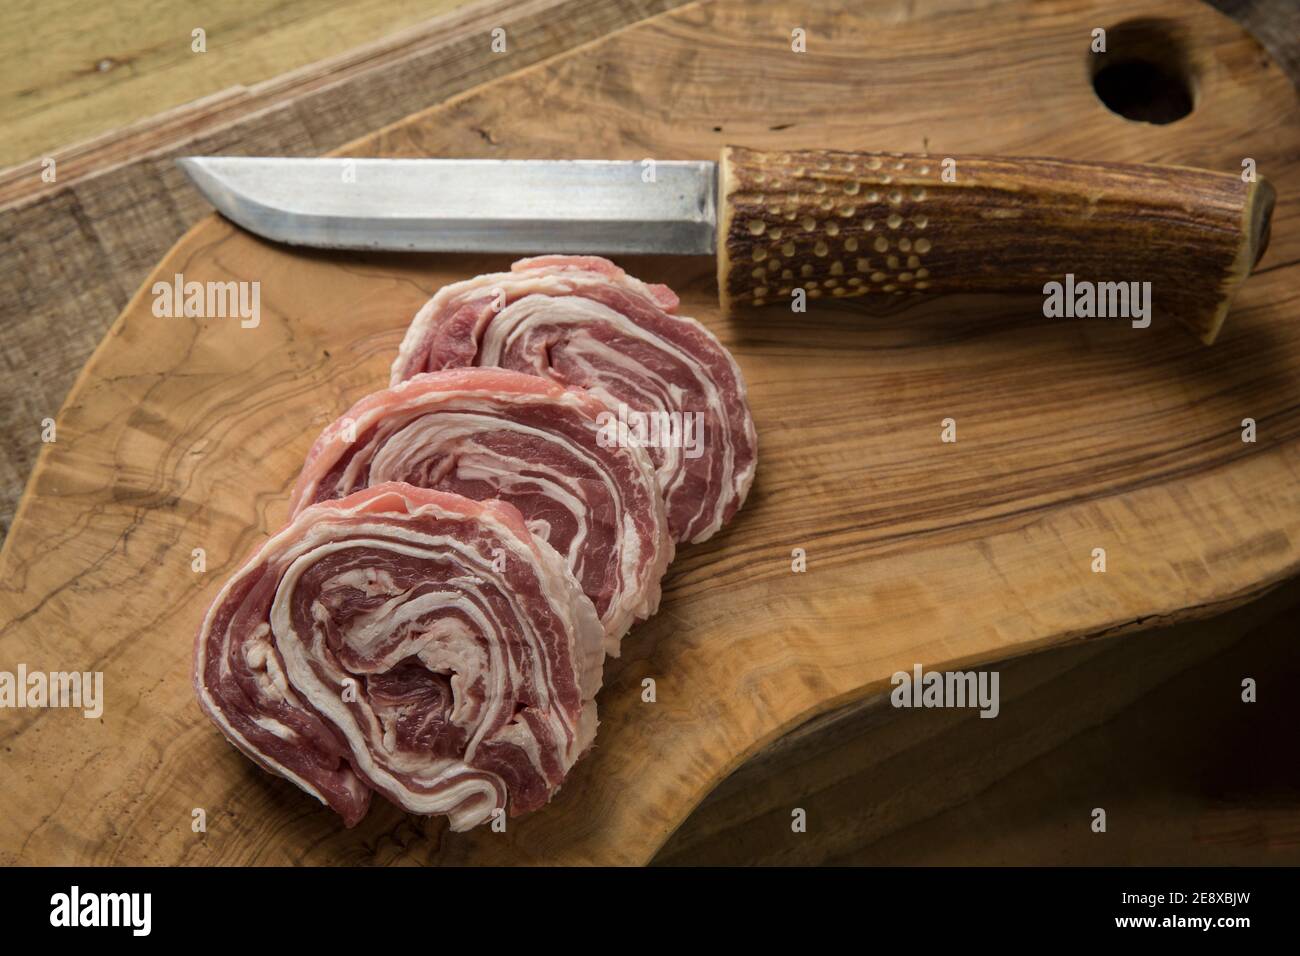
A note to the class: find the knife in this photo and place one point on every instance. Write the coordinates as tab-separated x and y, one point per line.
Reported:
821	223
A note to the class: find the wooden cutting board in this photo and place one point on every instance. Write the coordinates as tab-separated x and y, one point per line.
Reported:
1072	435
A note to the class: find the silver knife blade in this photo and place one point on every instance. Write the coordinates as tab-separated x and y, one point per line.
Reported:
467	205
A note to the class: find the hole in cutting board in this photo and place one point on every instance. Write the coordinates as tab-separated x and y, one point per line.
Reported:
1146	74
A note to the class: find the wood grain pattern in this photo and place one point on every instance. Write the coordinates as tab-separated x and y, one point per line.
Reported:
81	248
108	64
185	434
847	224
73	251
1152	729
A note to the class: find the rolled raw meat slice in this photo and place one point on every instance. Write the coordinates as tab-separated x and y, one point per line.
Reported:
546	449
581	320
410	642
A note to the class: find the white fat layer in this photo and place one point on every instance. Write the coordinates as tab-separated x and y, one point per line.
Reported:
401	433
512	285
526	316
467	795
273	726
406	447
305	660
570	284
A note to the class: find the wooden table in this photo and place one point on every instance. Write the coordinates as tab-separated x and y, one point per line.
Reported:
96	243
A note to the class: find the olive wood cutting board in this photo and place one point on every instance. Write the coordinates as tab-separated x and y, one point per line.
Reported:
1072	435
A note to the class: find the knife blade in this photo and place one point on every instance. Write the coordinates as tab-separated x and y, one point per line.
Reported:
466	205
790	224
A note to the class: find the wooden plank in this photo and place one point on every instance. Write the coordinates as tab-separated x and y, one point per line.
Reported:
104	66
184	435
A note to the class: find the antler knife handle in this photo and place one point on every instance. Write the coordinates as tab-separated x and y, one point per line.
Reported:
844	224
